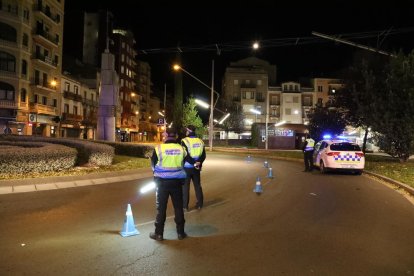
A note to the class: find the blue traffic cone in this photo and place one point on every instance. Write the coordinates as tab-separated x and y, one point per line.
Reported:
249	159
129	226
258	188
270	173
266	164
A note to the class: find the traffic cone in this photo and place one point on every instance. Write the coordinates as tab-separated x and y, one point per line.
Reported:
129	226
270	173
249	159
266	164
258	188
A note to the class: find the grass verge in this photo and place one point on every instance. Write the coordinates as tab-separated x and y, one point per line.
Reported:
119	163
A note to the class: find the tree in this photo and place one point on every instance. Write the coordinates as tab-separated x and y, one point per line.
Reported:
396	106
324	120
190	117
235	121
362	83
379	93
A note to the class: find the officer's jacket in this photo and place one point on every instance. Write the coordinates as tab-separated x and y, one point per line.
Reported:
309	144
170	159
195	147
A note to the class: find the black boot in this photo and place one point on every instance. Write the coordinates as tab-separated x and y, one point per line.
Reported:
155	236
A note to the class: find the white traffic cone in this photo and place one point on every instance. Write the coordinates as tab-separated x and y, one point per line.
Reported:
258	188
270	173
129	225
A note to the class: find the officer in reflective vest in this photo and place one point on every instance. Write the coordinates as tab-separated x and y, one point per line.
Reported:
308	153
197	155
167	163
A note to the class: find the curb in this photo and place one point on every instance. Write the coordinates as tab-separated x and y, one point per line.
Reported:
13	189
400	185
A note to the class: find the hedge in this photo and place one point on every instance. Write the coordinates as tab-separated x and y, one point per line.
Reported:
130	149
24	157
87	152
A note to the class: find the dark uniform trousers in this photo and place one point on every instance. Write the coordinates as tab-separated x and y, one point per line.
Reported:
166	188
192	174
308	156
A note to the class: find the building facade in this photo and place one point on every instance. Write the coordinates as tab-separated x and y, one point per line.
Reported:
124	50
79	109
283	109
246	82
31	34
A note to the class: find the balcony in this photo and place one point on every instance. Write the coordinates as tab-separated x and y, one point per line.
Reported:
7	43
8	74
90	102
72	96
90	121
42	109
45	59
13	10
8	104
43	84
46	36
46	11
68	117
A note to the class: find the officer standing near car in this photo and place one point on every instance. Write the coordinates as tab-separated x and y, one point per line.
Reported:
167	163
308	147
192	167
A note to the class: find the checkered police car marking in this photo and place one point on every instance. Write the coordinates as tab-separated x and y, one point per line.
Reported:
347	158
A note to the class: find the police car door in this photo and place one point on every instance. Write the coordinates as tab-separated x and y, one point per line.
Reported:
315	156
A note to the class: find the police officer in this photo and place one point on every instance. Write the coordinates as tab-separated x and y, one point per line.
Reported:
169	175
197	154
308	153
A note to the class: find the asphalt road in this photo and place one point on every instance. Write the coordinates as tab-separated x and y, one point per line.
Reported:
302	224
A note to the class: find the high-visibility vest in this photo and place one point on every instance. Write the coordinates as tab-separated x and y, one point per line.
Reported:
170	161
310	145
195	148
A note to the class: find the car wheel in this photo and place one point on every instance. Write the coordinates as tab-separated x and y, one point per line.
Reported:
322	167
359	172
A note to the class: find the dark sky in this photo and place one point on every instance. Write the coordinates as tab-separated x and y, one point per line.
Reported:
158	24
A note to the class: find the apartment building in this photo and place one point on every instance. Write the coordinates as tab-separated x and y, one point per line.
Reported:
247	82
30	64
79	109
124	51
251	82
144	85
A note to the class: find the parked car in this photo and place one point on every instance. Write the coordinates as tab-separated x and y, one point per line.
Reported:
338	155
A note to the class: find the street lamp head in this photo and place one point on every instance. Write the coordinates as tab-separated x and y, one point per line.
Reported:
256	45
255	111
176	67
202	103
53	83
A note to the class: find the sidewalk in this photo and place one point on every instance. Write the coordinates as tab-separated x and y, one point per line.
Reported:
61	182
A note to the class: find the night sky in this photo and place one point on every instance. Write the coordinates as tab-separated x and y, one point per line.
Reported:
156	24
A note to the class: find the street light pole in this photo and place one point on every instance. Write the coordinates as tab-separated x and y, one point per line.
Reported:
211	126
212	103
267	120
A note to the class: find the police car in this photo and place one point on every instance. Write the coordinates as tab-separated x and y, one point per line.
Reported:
338	154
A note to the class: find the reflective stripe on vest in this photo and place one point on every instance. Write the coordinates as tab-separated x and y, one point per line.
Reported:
195	148
310	145
170	161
